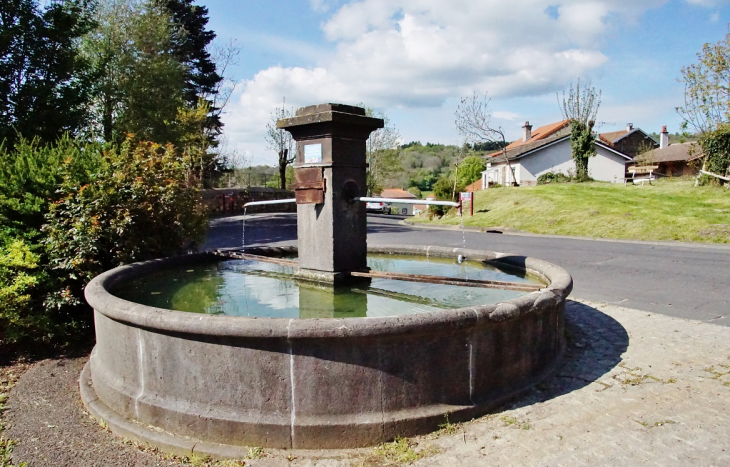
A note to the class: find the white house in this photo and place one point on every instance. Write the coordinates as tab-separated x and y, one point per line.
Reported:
548	150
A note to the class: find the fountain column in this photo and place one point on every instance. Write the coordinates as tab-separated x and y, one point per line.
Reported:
329	172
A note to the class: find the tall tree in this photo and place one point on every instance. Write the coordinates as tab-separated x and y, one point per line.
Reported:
280	141
707	88
191	48
139	83
43	85
474	123
580	106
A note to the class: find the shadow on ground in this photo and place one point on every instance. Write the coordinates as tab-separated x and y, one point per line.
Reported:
595	343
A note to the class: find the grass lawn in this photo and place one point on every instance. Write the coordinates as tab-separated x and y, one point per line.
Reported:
670	209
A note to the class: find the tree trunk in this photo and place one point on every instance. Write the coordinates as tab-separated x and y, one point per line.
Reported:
283	162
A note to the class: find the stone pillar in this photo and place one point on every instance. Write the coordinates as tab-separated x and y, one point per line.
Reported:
329	171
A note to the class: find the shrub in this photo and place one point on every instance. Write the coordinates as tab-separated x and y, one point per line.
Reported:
553	177
20	277
141	203
716	150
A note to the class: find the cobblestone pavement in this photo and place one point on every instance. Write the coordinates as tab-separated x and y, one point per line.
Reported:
665	402
636	388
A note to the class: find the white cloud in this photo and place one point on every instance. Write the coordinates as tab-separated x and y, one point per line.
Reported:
506	115
420	53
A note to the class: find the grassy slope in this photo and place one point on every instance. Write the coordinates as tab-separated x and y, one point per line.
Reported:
669	210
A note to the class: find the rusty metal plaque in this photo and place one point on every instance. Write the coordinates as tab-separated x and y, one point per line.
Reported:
309	185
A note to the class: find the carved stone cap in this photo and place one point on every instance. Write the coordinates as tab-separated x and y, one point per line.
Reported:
337	114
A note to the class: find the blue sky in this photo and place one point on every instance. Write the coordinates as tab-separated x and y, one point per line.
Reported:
413	59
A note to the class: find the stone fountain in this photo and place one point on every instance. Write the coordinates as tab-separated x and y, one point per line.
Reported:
213	384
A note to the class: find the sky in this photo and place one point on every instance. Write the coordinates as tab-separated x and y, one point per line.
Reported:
413	60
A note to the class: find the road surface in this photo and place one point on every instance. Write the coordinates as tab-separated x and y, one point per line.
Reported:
681	280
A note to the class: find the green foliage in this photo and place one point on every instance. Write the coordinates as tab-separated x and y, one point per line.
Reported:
415	191
43	81
190	47
29	175
716	151
581	143
706	91
139	81
20	278
470	170
142	203
553	177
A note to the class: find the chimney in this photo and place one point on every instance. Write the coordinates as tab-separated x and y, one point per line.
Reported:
663	138
629	126
528	131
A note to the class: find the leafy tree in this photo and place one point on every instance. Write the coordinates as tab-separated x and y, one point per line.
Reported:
281	141
706	89
43	82
474	123
190	47
470	170
581	107
139	81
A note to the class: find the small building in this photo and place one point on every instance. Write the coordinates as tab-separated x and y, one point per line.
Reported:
548	150
672	160
630	141
404	209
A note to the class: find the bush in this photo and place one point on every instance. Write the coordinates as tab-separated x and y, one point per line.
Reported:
553	177
141	203
716	150
415	192
20	277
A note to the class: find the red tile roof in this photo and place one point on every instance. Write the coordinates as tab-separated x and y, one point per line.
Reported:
397	193
476	186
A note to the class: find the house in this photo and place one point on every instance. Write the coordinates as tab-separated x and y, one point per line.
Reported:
405	209
547	149
630	141
672	160
419	208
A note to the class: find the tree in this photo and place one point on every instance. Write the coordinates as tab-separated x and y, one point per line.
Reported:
139	82
281	141
474	123
381	161
43	82
190	47
707	88
580	107
470	170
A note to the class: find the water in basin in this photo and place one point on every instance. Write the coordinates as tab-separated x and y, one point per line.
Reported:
260	289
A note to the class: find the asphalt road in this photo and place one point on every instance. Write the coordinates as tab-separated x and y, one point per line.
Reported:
681	280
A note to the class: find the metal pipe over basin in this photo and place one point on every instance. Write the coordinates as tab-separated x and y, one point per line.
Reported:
407	201
273	201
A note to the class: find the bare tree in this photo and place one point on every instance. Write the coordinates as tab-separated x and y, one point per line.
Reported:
379	163
474	123
281	141
581	107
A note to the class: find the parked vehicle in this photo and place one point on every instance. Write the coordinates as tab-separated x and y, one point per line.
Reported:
377	206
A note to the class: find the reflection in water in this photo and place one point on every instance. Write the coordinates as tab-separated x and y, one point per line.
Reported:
250	288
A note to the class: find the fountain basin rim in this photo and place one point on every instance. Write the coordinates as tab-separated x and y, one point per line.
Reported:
98	295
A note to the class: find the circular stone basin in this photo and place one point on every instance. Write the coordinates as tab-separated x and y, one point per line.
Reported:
241	287
213	383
